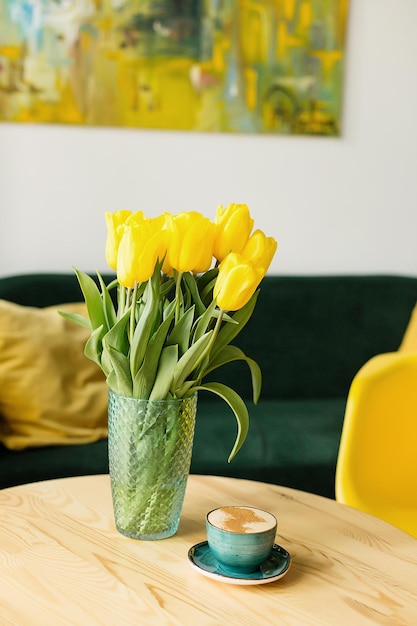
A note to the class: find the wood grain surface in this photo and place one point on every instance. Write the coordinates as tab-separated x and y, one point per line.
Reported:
63	562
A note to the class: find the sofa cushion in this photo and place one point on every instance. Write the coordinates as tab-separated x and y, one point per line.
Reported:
50	393
292	443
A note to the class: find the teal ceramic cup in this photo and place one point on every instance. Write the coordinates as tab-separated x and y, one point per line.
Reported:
240	537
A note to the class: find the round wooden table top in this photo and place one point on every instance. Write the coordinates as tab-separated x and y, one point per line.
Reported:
62	561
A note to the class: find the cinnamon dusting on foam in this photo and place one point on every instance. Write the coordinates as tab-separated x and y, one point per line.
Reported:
241	519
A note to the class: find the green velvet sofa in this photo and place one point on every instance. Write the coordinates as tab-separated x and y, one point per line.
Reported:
310	335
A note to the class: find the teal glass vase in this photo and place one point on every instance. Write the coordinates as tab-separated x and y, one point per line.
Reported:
150	447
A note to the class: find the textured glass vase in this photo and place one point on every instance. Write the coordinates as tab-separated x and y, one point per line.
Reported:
150	446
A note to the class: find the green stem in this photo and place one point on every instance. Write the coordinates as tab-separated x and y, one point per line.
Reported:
133	313
177	296
132	322
210	344
216	330
127	302
120	300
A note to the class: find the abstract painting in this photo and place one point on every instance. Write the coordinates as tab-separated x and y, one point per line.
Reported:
234	66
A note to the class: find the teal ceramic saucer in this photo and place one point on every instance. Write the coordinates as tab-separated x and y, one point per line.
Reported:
276	565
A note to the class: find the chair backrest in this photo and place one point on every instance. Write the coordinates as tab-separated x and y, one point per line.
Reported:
377	461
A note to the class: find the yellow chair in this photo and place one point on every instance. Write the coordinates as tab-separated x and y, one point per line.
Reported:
377	461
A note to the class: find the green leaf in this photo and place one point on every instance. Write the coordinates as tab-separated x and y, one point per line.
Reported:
230	331
204	321
238	407
182	330
182	391
93	300
163	380
115	338
168	308
178	296
191	284
206	280
233	353
145	324
189	361
93	347
119	378
166	287
113	284
145	377
77	319
114	357
205	284
107	302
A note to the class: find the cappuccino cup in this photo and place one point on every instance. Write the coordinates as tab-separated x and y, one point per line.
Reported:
240	537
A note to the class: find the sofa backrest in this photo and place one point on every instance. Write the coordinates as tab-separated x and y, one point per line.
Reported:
309	334
42	290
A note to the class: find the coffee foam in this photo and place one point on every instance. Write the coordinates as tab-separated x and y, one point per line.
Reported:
241	519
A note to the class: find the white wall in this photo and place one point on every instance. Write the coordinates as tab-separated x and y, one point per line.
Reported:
346	205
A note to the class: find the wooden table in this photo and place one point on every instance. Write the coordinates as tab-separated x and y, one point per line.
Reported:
63	562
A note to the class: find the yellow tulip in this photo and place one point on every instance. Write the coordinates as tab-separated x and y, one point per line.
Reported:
190	242
141	246
260	250
233	227
236	282
114	221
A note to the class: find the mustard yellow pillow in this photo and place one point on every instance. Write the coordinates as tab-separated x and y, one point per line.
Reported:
50	393
409	342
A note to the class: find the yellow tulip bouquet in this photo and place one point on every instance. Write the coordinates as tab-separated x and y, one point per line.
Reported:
186	286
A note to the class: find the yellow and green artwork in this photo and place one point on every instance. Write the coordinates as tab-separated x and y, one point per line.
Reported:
236	66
